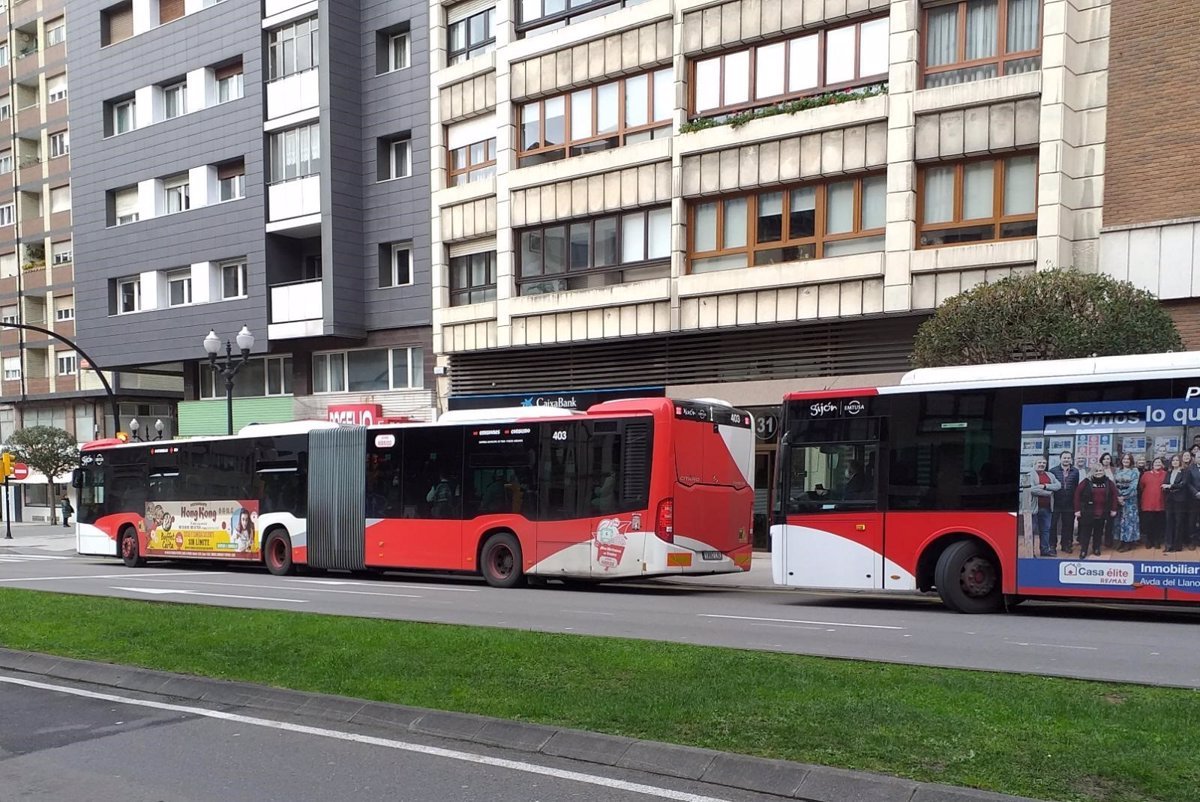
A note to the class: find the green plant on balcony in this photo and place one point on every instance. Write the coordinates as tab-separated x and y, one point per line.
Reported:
35	257
791	107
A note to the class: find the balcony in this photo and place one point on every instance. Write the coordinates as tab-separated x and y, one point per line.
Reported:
296	92
296	310
294	204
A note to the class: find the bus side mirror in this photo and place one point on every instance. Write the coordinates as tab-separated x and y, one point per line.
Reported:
77	479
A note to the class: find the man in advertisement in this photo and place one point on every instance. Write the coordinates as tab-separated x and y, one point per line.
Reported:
1062	525
1042	486
1095	506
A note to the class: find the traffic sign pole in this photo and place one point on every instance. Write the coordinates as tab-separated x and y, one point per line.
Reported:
7	512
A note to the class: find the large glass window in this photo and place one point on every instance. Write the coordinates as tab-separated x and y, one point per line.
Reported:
432	482
975	39
824	60
473	162
369	370
260	376
473	278
978	200
595	253
548	14
635	109
789	224
831	477
296	152
471	36
293	48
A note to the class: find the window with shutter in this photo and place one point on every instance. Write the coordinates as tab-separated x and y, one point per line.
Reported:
117	24
169	10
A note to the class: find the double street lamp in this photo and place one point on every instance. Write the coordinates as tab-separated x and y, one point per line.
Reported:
228	370
134	426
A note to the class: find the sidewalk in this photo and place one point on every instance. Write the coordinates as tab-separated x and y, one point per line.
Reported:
39	536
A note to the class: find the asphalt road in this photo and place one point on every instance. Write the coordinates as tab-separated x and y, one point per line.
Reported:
63	741
1106	642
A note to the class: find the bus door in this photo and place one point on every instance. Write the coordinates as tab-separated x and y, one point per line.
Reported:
563	529
832	535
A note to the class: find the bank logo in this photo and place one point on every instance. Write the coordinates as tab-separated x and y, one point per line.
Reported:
1097	573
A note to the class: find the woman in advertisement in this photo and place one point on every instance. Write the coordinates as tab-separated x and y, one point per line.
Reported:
243	531
1128	525
1151	503
1175	490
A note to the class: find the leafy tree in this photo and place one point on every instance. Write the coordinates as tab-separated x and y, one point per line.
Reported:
1050	314
48	450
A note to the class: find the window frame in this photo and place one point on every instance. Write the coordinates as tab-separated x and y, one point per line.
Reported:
64	149
68	255
997	220
59	27
392	40
537	155
821	87
458	294
393	251
819	240
60	95
11	375
471	49
566	16
136	284
9	211
1001	58
64	313
180	187
211	386
184	278
464	175
179	90
128	104
645	263
236	80
72	359
278	145
277	48
406	167
345	369
6	162
241	281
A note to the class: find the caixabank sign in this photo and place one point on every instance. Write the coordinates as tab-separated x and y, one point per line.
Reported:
562	399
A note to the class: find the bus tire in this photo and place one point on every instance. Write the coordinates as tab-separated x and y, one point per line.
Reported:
500	560
277	553
968	578
130	552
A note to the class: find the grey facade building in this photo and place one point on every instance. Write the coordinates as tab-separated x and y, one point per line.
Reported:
259	164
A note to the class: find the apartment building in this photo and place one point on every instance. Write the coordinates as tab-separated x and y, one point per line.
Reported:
43	381
258	163
1151	224
739	198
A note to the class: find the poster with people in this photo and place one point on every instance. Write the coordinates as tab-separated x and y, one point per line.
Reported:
1114	498
217	529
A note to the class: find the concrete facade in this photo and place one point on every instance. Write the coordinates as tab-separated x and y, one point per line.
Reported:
1055	112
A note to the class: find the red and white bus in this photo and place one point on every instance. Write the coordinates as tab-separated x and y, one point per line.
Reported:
630	488
926	485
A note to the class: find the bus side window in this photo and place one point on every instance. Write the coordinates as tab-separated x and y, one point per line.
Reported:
832	477
433	473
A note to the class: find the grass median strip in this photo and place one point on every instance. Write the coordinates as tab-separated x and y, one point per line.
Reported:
1034	736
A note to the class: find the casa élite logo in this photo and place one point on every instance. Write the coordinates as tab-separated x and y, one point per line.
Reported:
1097	573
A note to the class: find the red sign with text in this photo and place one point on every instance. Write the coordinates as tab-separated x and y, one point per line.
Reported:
20	471
355	414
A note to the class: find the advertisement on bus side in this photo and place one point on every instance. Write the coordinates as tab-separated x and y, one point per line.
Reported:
1110	497
211	529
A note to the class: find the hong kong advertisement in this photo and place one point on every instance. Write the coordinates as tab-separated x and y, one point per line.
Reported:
1110	498
213	529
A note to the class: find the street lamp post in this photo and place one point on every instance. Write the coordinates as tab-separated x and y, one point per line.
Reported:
212	344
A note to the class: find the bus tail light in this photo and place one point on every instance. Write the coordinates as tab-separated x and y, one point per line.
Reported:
664	522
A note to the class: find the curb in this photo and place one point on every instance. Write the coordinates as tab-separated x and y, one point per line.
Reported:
781	778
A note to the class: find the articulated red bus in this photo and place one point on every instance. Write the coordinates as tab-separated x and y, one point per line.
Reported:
963	480
630	488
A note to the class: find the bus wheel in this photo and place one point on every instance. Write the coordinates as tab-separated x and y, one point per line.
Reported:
968	578
129	548
500	560
277	553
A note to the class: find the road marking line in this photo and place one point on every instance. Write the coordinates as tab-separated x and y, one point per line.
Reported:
588	612
1053	645
300	589
798	621
376	583
127	575
182	592
388	743
789	626
15	555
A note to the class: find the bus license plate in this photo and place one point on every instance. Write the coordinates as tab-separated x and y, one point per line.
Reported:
711	555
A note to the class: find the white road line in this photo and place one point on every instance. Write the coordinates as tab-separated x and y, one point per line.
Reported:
797	621
376	583
1053	645
388	743
588	612
127	575
790	626
174	592
19	556
301	589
